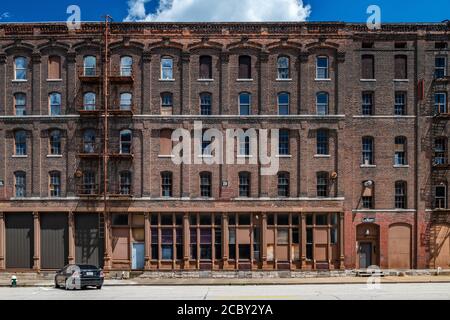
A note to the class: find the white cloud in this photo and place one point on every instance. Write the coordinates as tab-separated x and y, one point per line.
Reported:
4	15
219	10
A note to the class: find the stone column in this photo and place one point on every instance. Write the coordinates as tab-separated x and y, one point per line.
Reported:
147	240
37	242
341	241
303	242
36	85
186	234
71	235
264	239
185	84
2	241
108	247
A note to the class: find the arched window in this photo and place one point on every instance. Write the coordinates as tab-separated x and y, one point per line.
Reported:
54	103
205	184
125	141
55	142
245	67
322	67
205	67
54	67
367	151
125	183
89	103
400	195
283	67
20	104
89	66
283	103
89	145
283	184
166	68
125	101
166	184
20	68
20	184
322	103
400	154
55	184
245	103
20	141
205	104
126	66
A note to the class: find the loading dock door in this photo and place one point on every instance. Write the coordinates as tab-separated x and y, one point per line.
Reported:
19	240
88	245
441	246
54	240
399	249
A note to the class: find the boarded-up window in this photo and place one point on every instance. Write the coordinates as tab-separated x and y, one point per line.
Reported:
165	142
54	67
245	67
205	67
368	67
400	67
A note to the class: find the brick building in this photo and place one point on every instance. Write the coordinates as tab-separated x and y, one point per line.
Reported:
363	146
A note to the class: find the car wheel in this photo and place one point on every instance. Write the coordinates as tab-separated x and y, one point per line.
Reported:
66	286
56	284
99	287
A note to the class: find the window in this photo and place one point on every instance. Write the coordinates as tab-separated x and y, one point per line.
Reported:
55	142
165	142
322	142
441	45
125	183
205	236
55	184
20	68
89	101
400	195
367	151
20	184
401	62
368	45
440	103
367	103
283	67
166	68
440	197
400	45
166	236
244	103
125	141
20	140
205	104
166	184
244	184
440	151
119	219
368	67
322	103
206	144
89	183
322	68
20	102
90	66
283	103
440	67
55	104
166	100
283	184
244	145
54	67
205	184
322	184
125	101
283	142
368	195
400	104
126	66
400	151
205	67
89	145
245	67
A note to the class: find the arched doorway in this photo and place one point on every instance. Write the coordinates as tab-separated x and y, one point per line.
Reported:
367	244
399	246
440	245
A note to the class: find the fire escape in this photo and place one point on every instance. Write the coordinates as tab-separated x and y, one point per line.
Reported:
105	153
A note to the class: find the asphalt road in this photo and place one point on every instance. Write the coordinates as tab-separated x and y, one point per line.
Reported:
410	291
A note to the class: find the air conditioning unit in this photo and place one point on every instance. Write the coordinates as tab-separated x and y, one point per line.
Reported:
368	183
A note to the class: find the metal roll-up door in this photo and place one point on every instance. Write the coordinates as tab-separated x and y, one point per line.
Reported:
88	244
54	240
19	240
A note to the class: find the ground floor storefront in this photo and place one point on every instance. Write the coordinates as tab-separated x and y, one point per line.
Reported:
278	240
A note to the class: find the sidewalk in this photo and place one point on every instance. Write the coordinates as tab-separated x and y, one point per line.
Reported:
225	282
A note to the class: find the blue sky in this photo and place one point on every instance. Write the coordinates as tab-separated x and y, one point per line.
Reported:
321	10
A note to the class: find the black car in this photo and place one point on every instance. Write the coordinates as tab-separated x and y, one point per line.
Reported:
79	276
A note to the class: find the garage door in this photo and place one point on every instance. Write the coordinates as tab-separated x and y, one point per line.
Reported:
19	240
399	248
88	246
441	249
54	240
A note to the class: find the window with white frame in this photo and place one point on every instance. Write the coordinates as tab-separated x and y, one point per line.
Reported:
322	67
89	66
126	66
440	67
283	103
440	102
166	68
244	103
55	104
55	184
55	142
20	184
20	68
89	101
125	101
20	104
20	141
283	67
125	141
322	103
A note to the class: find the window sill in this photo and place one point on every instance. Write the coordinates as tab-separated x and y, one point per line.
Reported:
368	80
281	79
54	156
166	80
322	156
166	156
320	79
244	80
244	156
19	80
205	80
401	165
401	80
54	80
368	166
283	156
205	156
19	156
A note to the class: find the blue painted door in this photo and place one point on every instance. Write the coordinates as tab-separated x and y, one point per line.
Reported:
138	256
